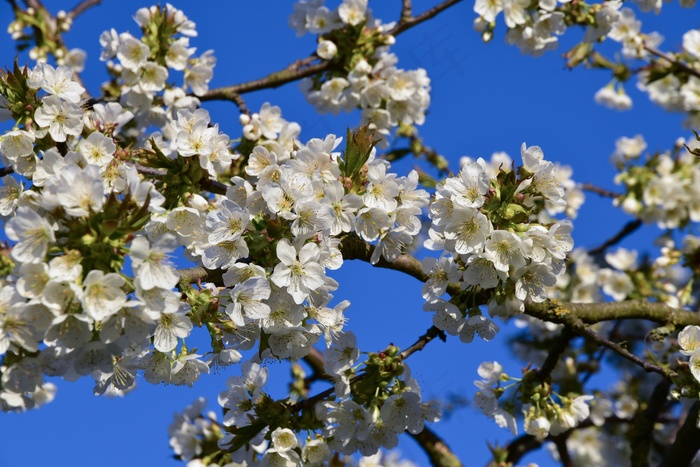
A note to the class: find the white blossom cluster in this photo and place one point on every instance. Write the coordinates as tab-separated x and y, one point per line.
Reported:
348	426
534	27
143	67
368	80
542	415
573	193
193	428
663	188
490	244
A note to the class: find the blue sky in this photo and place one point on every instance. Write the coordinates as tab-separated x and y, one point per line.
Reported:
485	98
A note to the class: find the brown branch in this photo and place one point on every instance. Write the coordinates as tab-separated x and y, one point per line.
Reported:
6	171
422	341
437	450
590	313
599	191
406	11
555	353
672	60
686	445
81	7
564	457
628	229
293	72
403	26
577	325
641	429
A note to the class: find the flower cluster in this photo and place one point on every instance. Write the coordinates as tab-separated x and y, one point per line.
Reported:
662	188
362	72
144	64
492	246
543	414
363	419
534	27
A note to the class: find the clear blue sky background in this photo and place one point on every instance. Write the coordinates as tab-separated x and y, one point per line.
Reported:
485	98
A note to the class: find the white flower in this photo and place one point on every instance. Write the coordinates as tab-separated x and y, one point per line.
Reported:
299	276
469	188
539	427
342	355
691	42
227	223
152	264
16	144
62	118
59	82
98	149
352	11
467	230
33	234
132	53
284	439
326	49
247	300
103	295
689	340
505	249
171	326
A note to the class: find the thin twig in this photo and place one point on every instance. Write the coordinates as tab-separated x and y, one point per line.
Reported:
628	229
672	60
273	80
555	353
6	171
422	341
599	191
406	11
577	325
81	7
416	20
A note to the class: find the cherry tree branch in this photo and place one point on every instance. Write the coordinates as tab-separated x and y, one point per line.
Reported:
627	229
599	191
577	325
641	428
672	60
297	70
406	24
81	7
686	445
406	11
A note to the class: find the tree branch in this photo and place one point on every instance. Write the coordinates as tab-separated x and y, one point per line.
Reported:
590	313
672	60
628	229
438	452
406	11
81	7
686	444
404	25
422	341
295	71
576	324
641	428
599	191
